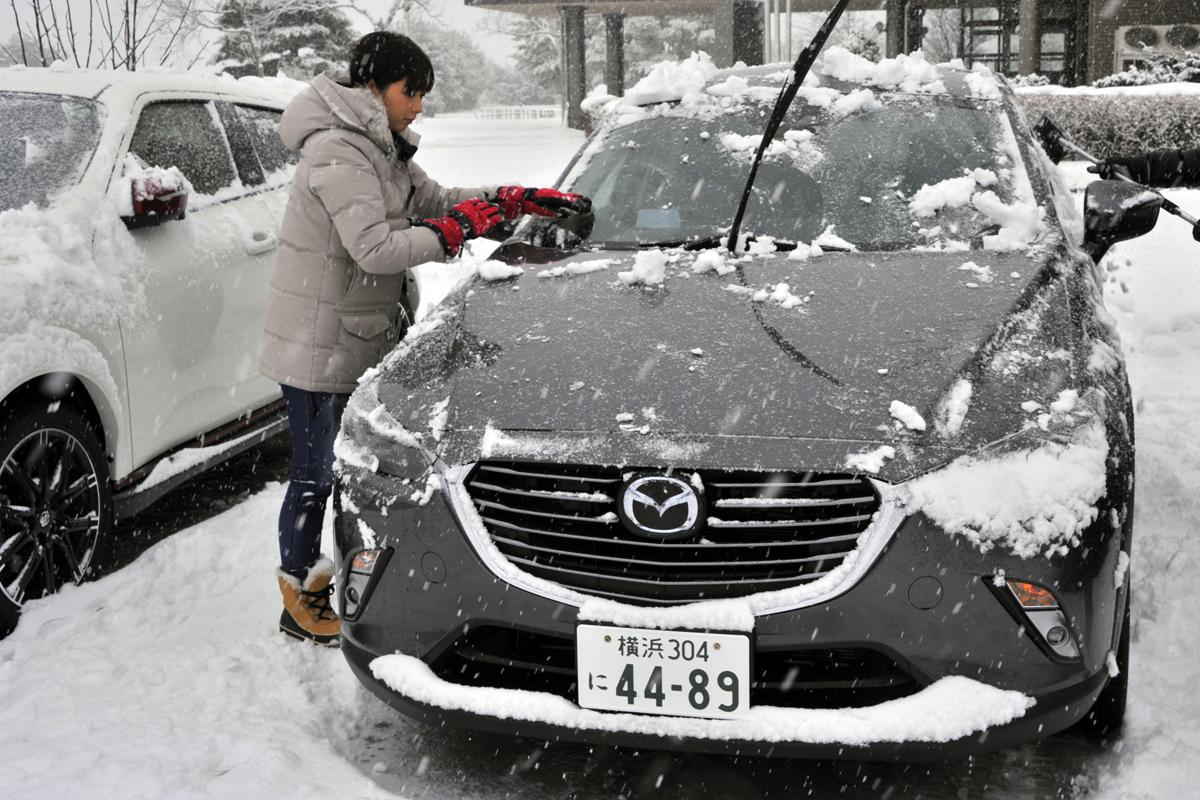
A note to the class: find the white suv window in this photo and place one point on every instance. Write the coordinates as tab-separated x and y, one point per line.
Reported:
186	135
263	127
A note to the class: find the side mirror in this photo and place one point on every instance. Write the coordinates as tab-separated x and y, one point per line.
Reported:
1116	211
157	196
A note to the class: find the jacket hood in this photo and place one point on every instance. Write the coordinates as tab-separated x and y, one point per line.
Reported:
329	103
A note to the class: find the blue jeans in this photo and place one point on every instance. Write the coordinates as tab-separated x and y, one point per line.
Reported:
313	421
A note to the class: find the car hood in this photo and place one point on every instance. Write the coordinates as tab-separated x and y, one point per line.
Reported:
698	359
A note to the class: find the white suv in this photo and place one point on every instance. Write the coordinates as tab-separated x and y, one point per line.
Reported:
131	300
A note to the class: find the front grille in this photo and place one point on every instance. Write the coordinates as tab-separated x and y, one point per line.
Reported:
843	677
763	531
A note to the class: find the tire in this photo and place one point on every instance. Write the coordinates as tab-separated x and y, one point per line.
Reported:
1107	714
56	507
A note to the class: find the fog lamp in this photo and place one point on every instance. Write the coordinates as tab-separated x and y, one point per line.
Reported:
1046	622
359	579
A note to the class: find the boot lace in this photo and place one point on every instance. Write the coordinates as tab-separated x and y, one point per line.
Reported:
318	601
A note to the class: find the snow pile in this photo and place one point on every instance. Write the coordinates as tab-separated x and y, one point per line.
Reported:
907	73
829	239
649	269
982	274
871	461
713	260
496	443
1033	502
736	87
744	146
856	101
673	80
167	693
576	268
950	193
951	708
63	273
982	82
438	417
906	415
780	294
182	460
1020	221
952	410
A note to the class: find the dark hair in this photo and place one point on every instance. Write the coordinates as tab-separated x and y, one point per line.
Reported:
386	57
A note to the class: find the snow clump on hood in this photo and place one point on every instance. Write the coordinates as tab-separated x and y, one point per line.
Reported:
649	268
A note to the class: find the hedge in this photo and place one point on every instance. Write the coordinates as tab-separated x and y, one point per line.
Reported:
1114	122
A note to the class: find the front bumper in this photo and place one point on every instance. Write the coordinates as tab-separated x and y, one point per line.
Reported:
436	589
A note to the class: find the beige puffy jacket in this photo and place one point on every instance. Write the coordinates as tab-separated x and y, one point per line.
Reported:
345	243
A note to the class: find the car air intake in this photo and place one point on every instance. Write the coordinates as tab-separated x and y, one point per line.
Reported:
762	530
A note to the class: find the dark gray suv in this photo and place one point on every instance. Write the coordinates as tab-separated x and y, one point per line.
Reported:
862	489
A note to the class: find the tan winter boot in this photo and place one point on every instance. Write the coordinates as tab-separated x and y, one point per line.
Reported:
307	613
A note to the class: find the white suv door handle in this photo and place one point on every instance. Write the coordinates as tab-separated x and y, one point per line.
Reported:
261	242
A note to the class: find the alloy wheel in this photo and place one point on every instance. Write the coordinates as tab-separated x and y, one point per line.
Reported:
50	503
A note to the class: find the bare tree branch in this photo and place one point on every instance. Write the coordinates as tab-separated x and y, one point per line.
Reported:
20	35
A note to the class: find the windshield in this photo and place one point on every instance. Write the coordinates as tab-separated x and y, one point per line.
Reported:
903	171
45	144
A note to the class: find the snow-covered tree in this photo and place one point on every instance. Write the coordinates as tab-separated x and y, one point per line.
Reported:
464	74
305	35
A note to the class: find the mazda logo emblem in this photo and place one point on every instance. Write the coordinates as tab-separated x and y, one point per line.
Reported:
660	507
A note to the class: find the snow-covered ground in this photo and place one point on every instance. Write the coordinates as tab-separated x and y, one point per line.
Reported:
169	679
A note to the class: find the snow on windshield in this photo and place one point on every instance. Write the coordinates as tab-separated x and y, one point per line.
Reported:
893	160
45	144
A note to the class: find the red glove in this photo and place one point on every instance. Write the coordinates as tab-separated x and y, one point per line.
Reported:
467	220
517	200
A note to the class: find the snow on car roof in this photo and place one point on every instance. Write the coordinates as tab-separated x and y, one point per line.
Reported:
100	84
837	70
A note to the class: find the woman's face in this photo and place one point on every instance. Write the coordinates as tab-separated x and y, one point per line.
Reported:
402	108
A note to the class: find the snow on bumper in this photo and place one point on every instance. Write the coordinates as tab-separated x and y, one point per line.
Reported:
951	708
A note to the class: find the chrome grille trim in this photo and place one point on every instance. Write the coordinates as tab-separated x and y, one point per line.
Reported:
775	529
577	478
578	497
547	514
648	582
871	545
849	537
717	522
646	563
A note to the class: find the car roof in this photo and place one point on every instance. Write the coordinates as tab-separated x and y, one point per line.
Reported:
957	80
844	73
98	84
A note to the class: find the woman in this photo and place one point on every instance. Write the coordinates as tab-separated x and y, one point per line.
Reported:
359	215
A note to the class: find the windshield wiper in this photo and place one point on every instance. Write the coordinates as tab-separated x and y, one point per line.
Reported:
786	95
709	242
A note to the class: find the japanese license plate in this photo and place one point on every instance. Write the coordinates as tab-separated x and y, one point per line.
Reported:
680	673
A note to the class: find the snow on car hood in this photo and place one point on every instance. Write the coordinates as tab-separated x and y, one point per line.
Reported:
848	350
